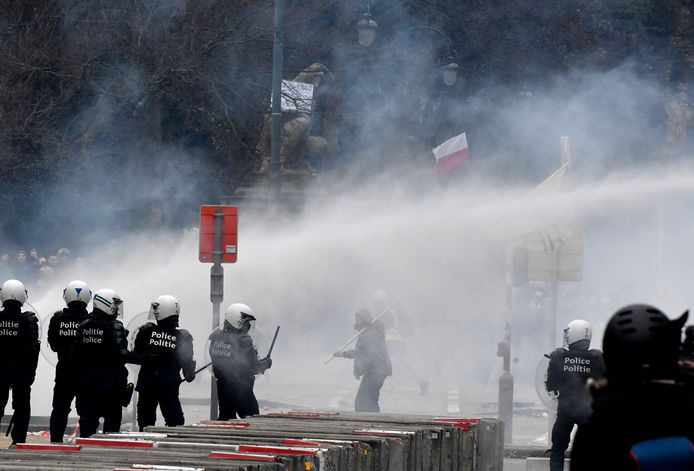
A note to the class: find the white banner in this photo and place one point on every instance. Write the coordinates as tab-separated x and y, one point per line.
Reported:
297	96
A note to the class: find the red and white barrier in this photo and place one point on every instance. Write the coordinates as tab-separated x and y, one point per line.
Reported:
48	447
115	442
230	455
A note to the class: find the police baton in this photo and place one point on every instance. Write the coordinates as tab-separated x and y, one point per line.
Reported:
272	344
202	368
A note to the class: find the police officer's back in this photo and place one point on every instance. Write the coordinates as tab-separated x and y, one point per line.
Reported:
567	374
640	399
19	355
62	333
235	363
100	354
164	351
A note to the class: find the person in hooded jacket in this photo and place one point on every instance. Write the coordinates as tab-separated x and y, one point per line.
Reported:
567	374
371	361
235	363
99	356
19	355
640	399
62	333
164	351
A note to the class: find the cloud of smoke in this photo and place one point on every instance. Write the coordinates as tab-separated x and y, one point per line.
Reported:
437	243
443	253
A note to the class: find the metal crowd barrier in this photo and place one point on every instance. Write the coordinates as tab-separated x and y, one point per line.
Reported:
288	441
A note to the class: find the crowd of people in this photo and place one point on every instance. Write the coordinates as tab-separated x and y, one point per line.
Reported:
92	349
33	268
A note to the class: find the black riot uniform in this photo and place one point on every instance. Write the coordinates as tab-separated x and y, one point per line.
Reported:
567	374
641	400
164	351
62	332
100	355
371	361
19	356
235	363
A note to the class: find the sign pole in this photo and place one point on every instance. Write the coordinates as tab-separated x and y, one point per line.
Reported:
553	301
218	244
216	295
504	351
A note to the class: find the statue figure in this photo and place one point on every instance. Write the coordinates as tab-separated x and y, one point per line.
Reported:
301	151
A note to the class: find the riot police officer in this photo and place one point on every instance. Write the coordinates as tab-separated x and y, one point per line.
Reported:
164	351
567	374
640	399
100	355
235	363
62	332
19	355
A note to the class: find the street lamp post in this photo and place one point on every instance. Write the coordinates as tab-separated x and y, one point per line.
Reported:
449	72
366	31
276	136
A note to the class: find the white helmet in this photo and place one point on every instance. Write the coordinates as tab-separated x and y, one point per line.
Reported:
13	290
577	330
77	290
238	314
164	306
108	301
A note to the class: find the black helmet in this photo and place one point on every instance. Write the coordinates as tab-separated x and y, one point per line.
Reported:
641	343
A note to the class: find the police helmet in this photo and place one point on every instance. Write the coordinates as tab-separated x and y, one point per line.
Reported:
13	290
108	301
77	290
641	343
164	306
238	314
577	330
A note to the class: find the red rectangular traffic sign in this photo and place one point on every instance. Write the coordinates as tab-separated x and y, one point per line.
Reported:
229	232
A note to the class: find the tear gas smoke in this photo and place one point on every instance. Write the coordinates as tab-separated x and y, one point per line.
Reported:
445	249
400	229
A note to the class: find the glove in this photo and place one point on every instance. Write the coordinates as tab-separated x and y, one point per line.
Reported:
189	371
127	394
265	364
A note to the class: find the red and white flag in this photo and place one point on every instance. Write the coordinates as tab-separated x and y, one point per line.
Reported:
451	153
